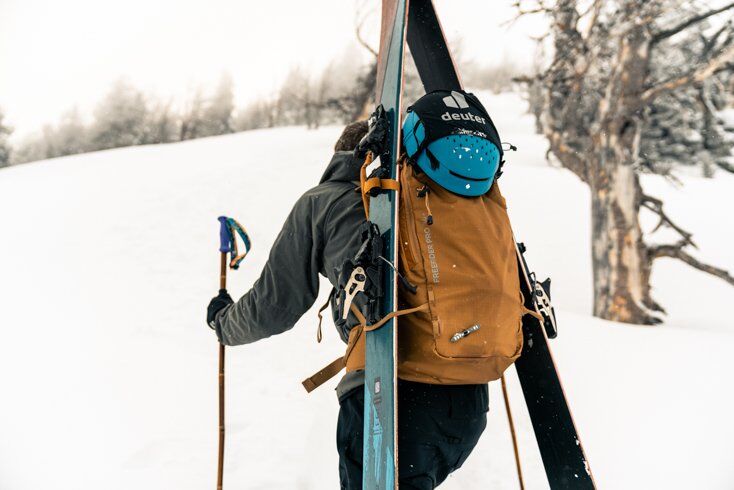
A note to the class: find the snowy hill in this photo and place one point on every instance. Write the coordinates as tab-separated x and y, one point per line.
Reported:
108	372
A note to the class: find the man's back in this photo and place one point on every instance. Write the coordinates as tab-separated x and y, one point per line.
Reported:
319	235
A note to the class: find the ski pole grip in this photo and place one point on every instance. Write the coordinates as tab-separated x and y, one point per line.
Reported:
224	235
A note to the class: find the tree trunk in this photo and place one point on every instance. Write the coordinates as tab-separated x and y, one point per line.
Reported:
621	265
621	268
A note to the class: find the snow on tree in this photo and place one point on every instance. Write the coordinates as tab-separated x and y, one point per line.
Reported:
294	97
597	91
192	117
682	127
259	114
217	114
29	149
69	137
120	119
161	124
5	132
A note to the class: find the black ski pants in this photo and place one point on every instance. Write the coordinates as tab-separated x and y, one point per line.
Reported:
438	427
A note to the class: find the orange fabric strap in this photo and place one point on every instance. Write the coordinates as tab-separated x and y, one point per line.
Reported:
324	375
534	314
319	334
394	314
328	372
370	328
360	317
390	184
368	184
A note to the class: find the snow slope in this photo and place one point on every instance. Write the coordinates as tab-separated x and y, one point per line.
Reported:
108	373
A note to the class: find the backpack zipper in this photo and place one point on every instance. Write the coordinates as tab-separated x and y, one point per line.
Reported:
423	192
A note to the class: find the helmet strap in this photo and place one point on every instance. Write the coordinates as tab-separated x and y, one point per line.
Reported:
434	161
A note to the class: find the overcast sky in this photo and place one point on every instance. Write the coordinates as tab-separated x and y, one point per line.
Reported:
55	55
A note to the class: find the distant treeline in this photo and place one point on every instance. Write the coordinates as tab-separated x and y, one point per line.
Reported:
126	116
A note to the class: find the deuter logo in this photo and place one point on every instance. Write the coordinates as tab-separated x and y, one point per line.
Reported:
466	117
457	101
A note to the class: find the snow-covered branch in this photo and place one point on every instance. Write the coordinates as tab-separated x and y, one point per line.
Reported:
666	33
701	73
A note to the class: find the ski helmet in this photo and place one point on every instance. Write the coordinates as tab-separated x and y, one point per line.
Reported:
452	139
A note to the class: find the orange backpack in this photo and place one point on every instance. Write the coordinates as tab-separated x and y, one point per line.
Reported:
462	325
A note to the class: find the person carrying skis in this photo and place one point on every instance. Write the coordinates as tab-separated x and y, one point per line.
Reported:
442	404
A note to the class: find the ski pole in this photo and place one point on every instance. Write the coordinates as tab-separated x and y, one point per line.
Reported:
228	230
225	238
512	432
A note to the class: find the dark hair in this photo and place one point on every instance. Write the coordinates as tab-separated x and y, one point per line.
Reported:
351	136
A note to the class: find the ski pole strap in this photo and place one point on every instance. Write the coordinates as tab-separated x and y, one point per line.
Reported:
236	229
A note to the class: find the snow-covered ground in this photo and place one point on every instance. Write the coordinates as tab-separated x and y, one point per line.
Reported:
108	372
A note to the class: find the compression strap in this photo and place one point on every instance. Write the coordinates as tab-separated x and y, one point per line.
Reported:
335	366
367	185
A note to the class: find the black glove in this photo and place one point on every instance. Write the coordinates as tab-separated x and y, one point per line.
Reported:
218	303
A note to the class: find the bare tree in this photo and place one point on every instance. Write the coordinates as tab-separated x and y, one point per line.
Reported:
161	124
192	117
120	118
597	90
70	135
217	114
28	149
356	103
5	132
321	90
256	115
294	98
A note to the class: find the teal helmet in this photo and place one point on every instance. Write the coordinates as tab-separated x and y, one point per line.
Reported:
451	138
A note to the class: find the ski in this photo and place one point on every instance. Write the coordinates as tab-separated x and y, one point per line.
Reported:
380	401
429	48
563	456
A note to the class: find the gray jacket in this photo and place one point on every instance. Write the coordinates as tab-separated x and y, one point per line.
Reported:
319	235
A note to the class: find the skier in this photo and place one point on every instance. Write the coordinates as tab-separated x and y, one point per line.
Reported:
439	424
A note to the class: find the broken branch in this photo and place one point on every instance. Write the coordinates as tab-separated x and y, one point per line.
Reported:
656	206
676	252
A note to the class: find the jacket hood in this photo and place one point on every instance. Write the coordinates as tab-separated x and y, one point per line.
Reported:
343	167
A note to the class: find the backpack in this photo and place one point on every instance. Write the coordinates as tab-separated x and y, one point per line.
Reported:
460	304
